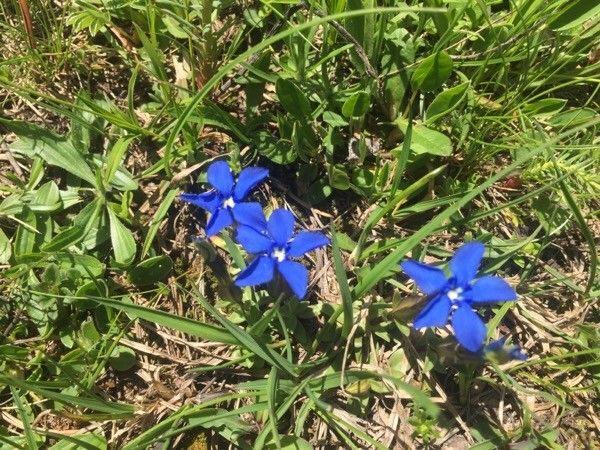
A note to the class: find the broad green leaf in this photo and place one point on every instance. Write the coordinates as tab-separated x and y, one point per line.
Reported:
334	119
114	158
318	191
11	205
121	179
46	198
51	274
398	364
446	102
5	248
69	198
122	358
93	219
432	72
151	270
94	288
426	140
280	151
572	117
574	13
394	89
86	441
183	324
544	108
80	133
173	27
15	353
87	337
122	240
338	177
53	149
36	173
64	239
86	265
25	236
357	105
293	99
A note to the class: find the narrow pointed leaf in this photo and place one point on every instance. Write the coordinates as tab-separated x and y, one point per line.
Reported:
175	322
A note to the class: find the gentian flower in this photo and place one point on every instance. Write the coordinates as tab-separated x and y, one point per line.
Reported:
274	246
225	202
453	298
503	353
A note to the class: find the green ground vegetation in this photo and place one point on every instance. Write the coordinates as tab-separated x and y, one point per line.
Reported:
399	128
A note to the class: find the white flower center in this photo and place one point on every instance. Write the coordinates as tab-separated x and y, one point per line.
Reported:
228	203
278	254
454	294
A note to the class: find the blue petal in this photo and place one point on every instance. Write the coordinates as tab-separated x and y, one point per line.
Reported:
468	327
220	176
517	352
295	275
252	240
491	289
259	271
219	220
465	262
305	241
281	226
435	313
247	179
209	201
496	345
502	352
250	214
430	279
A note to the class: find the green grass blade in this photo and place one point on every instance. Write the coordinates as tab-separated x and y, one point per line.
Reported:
585	230
266	43
183	324
387	266
261	350
115	409
159	215
342	279
29	435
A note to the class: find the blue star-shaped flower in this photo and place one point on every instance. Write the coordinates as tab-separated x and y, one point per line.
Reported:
274	246
453	298
225	202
